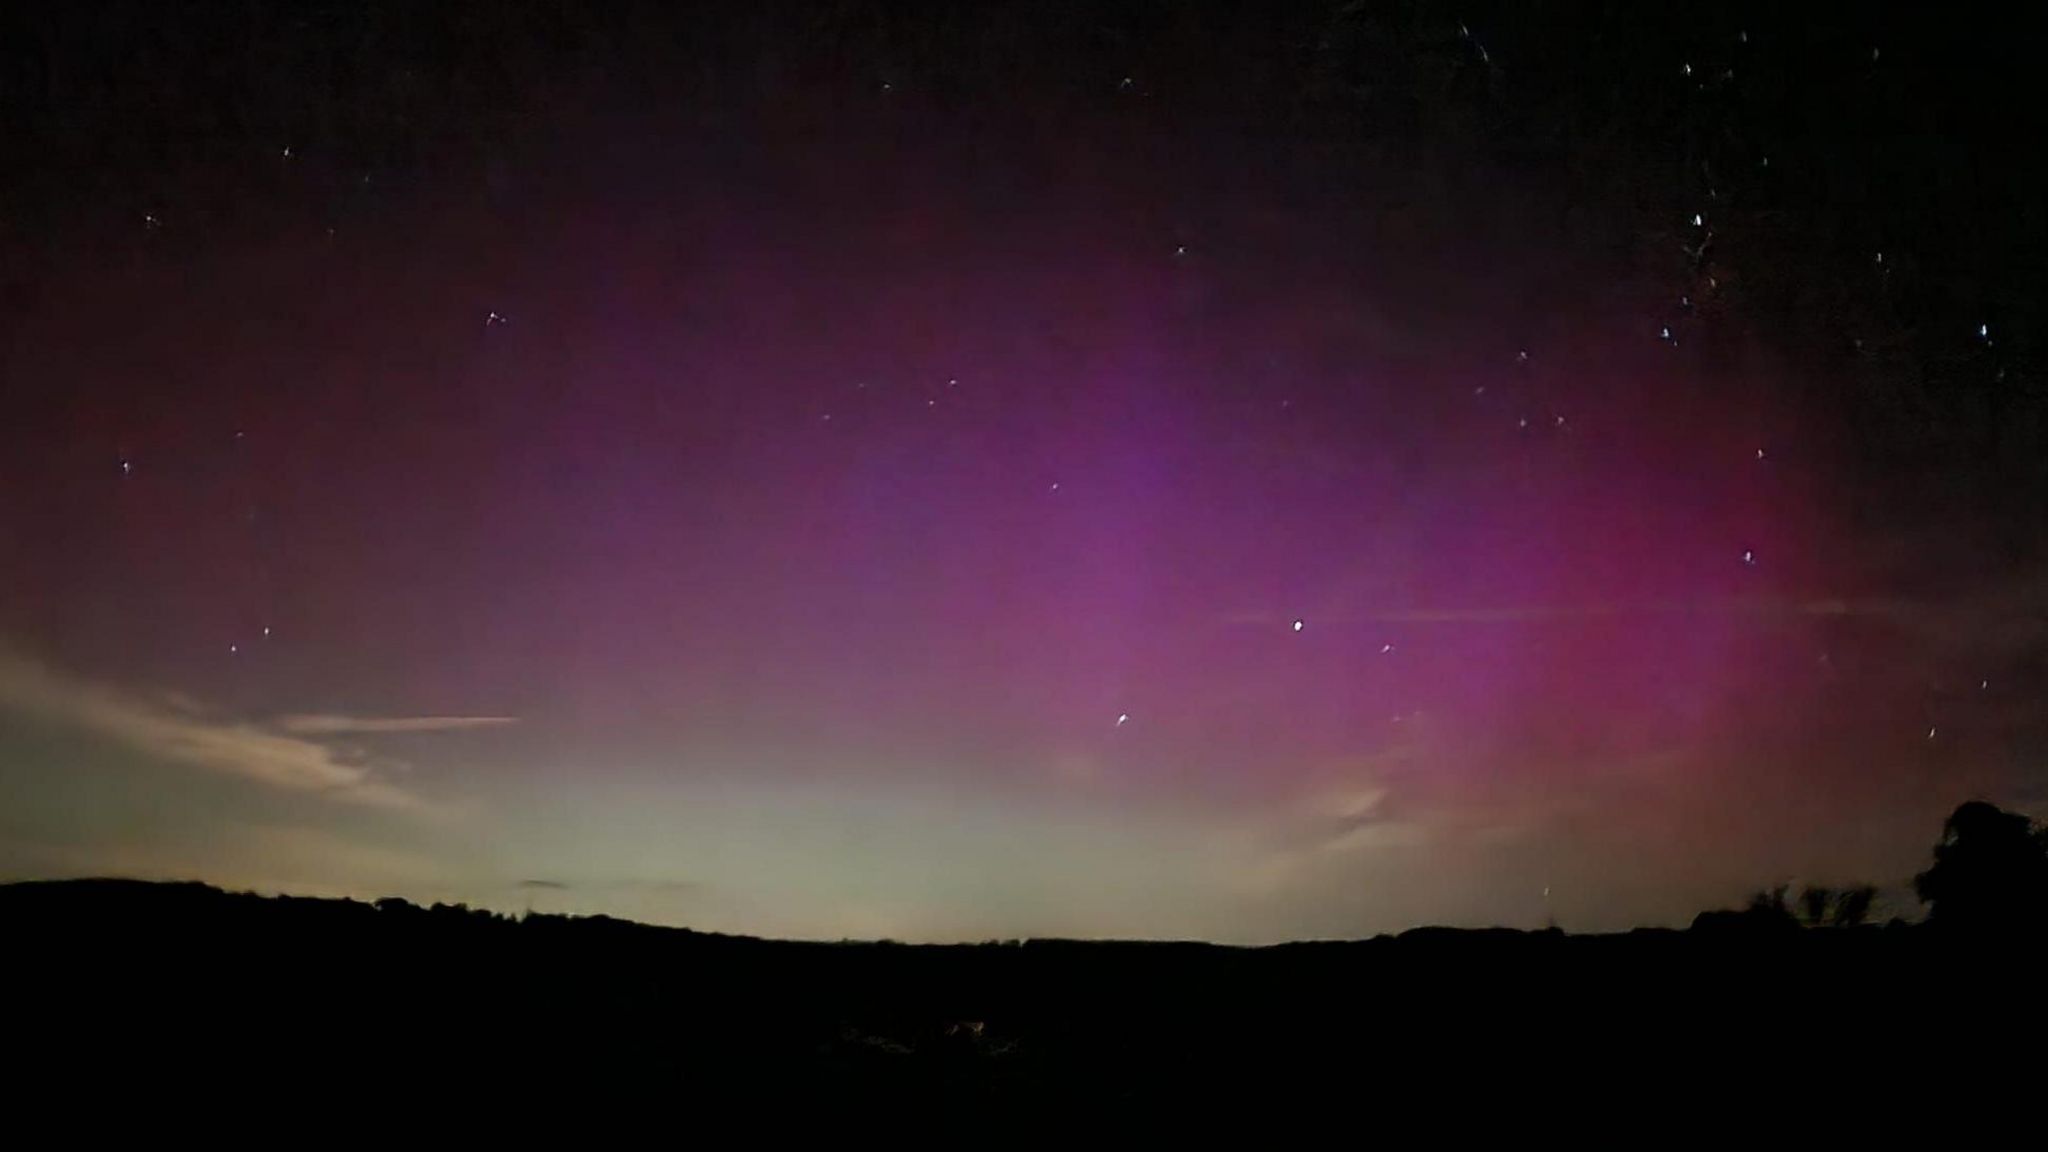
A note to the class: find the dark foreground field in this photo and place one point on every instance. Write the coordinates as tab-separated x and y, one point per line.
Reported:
122	988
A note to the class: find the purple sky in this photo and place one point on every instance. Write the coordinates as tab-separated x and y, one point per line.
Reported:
871	529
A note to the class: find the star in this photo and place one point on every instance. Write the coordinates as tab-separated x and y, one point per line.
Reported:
1930	733
492	319
287	151
266	629
234	648
1055	486
1297	625
1749	558
1759	453
1121	718
127	468
1522	357
1698	221
1386	649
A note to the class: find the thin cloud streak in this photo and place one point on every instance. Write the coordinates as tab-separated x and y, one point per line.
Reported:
168	732
310	725
1542	613
1545	612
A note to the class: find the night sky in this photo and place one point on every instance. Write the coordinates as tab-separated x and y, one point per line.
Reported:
949	472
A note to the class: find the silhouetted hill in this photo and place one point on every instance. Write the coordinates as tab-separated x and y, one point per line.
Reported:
184	986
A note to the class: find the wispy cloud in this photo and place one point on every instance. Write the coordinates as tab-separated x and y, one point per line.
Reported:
304	725
1541	613
615	885
1536	613
175	731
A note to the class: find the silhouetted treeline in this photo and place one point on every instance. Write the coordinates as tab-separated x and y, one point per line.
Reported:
1990	874
177	987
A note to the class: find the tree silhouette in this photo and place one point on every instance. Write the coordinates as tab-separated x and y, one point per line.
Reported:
1772	906
1824	907
1774	909
1990	872
1852	907
1768	910
1814	904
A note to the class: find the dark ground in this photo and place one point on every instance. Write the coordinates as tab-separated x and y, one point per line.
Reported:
128	991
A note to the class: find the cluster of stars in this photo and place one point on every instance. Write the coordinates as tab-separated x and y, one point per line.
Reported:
1727	216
